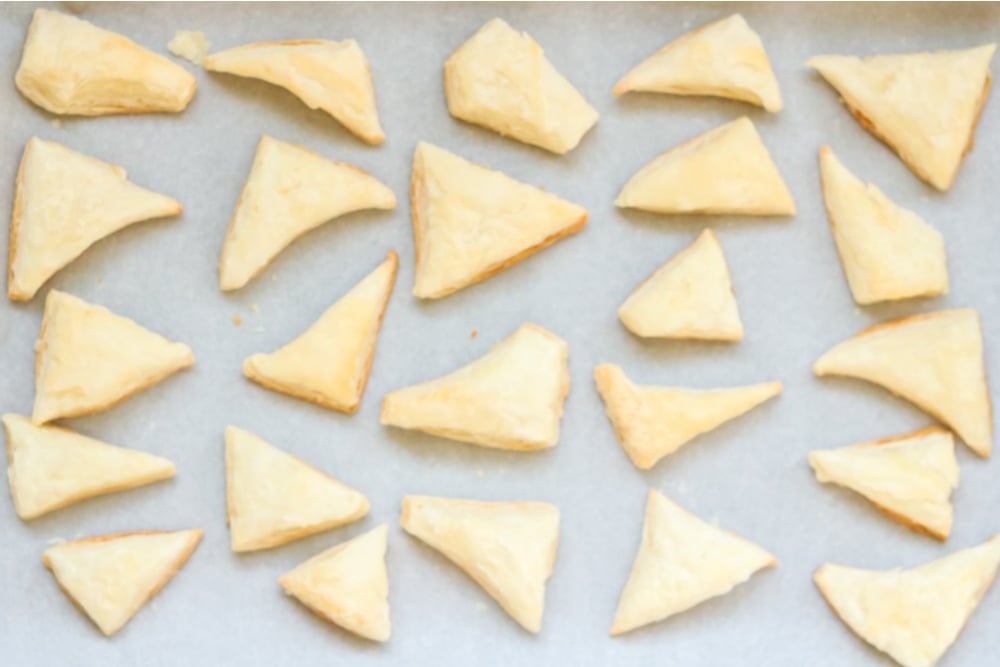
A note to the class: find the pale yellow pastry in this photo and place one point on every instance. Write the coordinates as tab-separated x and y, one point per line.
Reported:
111	577
88	359
725	170
652	422
682	562
470	222
289	192
934	360
925	106
500	79
508	548
913	615
328	364
73	67
64	202
511	398
189	45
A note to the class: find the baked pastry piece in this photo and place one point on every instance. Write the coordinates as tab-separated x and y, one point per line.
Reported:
111	577
501	79
909	477
725	170
508	548
470	222
913	615
73	67
328	364
934	360
682	562
691	296
64	202
652	422
87	359
347	585
511	398
289	192
723	59
925	106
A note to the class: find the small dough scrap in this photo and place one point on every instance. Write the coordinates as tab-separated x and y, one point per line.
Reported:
111	577
72	67
508	548
88	359
273	498
934	360
191	46
691	296
913	615
682	562
470	222
652	422
347	585
725	170
500	79
511	398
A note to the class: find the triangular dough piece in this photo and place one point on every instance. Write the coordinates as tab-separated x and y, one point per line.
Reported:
725	59
331	76
273	497
88	359
909	477
691	296
652	422
328	364
289	192
64	202
913	615
500	79
470	222
682	562
51	467
925	106
111	577
73	67
510	398
934	360
347	585
508	548
887	251
725	170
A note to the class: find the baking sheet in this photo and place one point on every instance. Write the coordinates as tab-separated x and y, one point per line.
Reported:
750	475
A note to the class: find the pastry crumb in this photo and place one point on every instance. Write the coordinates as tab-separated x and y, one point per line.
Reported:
255	308
473	334
191	46
237	320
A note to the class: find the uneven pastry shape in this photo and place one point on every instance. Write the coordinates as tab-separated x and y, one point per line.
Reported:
724	59
88	359
887	251
510	398
925	106
652	422
190	45
347	585
934	360
913	615
73	67
51	467
691	296
328	364
64	202
111	577
508	548
500	79
470	222
289	192
725	170
273	498
682	562
331	76
910	477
